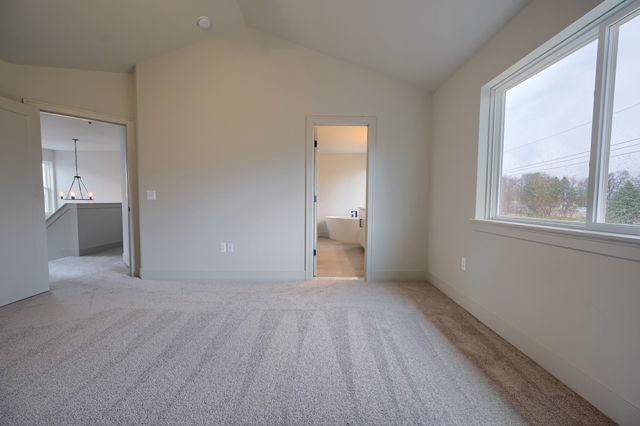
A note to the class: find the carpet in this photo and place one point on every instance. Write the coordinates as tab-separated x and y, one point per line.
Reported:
102	347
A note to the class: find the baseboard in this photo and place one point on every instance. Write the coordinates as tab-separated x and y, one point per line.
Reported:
323	234
397	275
602	397
96	249
182	275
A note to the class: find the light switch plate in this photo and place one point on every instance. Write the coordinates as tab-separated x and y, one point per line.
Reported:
151	195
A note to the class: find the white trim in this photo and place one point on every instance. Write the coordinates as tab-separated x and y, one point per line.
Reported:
613	245
601	396
600	23
319	120
131	169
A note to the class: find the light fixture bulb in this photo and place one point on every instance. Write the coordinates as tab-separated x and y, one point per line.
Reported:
203	22
91	195
61	194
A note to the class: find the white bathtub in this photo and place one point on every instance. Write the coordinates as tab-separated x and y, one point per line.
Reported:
344	228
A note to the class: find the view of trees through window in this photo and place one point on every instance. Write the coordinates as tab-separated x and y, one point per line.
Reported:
623	190
546	146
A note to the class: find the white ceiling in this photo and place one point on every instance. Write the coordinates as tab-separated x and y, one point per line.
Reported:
105	35
420	41
342	139
58	131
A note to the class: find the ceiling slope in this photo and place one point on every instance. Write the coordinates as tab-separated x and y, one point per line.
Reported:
418	41
105	35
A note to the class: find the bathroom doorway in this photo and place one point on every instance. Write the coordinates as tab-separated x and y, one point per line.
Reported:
339	207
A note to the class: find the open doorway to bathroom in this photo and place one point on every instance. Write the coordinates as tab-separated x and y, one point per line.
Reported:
340	203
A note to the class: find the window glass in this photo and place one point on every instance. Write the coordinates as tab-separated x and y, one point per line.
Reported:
47	186
623	178
547	140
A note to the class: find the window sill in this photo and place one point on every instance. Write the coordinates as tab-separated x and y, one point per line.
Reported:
613	245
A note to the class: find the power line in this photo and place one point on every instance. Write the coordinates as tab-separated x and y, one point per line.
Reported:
585	162
568	130
568	157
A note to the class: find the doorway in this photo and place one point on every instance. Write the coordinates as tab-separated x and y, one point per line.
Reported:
86	197
339	195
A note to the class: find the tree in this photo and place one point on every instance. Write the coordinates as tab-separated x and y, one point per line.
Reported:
568	197
615	181
624	206
540	193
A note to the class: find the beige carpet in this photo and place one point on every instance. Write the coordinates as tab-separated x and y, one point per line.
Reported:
337	259
105	348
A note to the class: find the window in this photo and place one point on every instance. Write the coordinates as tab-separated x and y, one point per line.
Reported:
47	186
546	159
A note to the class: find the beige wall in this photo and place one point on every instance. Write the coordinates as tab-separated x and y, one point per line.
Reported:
342	186
103	92
100	171
222	140
573	312
106	95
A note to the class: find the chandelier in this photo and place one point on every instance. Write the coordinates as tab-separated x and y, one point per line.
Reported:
77	181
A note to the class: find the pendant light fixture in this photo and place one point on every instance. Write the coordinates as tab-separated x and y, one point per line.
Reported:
77	181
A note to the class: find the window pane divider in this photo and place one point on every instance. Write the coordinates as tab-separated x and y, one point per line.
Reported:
605	29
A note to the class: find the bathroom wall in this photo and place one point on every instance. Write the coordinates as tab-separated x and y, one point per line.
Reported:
342	184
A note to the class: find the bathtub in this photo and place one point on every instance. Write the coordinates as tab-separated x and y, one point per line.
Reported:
344	228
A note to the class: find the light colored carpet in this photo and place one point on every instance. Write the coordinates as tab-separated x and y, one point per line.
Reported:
105	348
337	259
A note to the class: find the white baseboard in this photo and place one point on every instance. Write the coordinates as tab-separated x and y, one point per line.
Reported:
602	397
97	249
392	275
183	275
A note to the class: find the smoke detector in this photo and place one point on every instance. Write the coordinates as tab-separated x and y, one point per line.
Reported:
203	22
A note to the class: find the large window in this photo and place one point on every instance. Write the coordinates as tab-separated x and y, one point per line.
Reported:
47	186
562	145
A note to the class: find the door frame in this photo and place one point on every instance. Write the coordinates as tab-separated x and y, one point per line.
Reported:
130	170
310	219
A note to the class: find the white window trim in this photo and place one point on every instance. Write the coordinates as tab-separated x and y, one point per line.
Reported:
48	168
592	25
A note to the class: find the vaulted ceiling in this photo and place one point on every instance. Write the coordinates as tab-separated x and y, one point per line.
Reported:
419	41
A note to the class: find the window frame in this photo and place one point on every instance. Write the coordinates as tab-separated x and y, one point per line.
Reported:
47	175
601	24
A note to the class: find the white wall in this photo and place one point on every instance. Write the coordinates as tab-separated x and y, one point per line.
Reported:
107	94
342	186
575	313
222	140
100	171
104	92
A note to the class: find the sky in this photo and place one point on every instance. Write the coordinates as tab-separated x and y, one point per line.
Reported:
548	117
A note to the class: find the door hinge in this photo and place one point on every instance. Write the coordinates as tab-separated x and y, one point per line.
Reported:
315	198
315	252
315	144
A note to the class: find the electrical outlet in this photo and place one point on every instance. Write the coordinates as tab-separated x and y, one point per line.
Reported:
230	248
223	247
463	263
151	194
